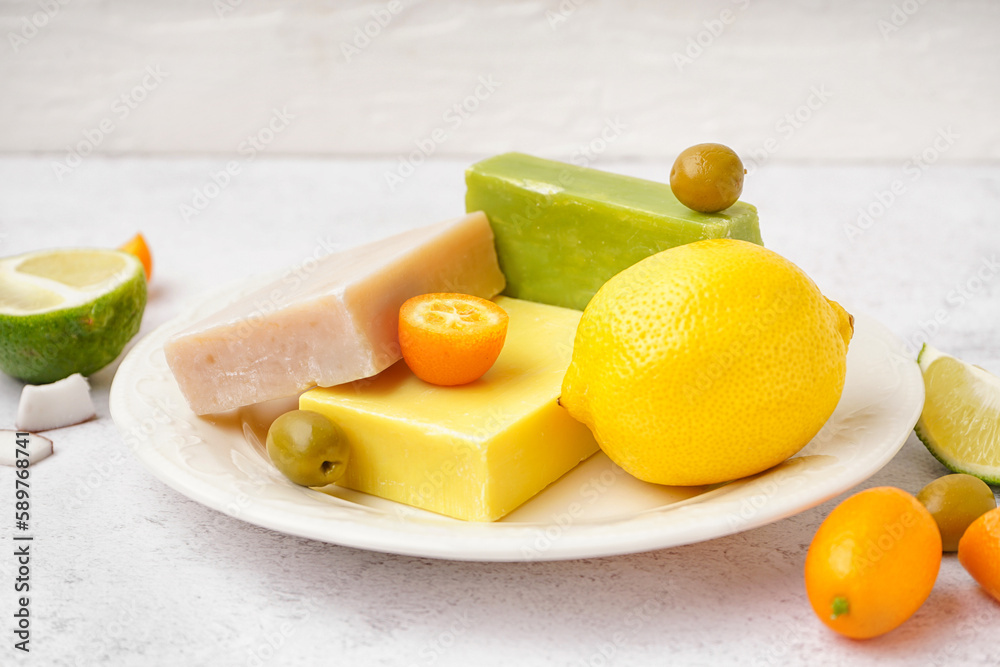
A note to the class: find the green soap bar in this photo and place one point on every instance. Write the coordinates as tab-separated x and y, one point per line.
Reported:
562	231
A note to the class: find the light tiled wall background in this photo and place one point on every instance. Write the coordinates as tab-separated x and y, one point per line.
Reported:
792	80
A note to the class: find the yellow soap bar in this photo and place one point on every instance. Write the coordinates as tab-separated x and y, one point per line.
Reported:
476	451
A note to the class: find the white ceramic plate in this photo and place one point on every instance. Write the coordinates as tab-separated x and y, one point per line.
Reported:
594	510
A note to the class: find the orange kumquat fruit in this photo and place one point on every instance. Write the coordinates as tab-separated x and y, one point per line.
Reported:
979	551
450	339
137	246
872	562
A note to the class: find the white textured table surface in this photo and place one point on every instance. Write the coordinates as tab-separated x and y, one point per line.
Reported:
127	571
794	80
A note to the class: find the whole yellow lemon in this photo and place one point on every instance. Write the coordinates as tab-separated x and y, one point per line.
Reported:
707	362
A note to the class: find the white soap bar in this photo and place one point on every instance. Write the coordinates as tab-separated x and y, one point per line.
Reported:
335	324
48	406
37	448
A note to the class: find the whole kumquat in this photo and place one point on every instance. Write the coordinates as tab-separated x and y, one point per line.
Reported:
979	551
450	339
137	246
872	562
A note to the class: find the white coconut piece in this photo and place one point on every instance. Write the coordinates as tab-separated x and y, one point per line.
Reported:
48	406
38	447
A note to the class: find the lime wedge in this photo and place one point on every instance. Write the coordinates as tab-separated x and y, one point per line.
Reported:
67	311
960	423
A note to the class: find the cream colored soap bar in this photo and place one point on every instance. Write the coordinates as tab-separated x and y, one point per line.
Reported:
335	325
476	451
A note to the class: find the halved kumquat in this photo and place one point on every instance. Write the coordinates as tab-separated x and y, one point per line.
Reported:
451	339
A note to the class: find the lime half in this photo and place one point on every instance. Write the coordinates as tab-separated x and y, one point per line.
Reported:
960	423
67	311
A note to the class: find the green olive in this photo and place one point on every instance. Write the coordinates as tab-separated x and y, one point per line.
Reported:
707	177
955	501
308	448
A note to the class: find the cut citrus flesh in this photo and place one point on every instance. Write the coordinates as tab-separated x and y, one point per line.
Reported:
67	311
81	270
960	422
137	246
449	338
19	297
